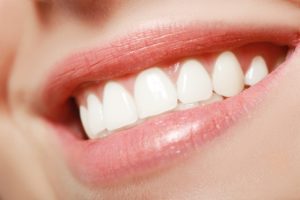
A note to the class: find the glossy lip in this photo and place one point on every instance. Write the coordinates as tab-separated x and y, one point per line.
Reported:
156	143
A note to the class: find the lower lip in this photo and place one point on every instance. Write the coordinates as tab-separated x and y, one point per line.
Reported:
159	142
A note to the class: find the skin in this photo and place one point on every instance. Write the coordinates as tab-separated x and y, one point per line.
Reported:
259	159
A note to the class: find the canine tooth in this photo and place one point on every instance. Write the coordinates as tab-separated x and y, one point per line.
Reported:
228	77
118	106
257	71
154	93
95	116
193	83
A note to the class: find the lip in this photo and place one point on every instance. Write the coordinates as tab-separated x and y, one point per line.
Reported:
161	141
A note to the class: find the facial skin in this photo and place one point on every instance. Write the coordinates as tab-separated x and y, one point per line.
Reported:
259	159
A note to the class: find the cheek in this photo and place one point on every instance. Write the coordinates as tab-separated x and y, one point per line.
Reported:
12	18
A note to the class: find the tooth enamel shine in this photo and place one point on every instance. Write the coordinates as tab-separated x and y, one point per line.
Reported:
119	107
257	71
84	120
154	93
228	77
94	116
193	83
128	100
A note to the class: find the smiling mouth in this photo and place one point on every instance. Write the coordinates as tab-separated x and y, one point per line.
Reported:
118	104
148	99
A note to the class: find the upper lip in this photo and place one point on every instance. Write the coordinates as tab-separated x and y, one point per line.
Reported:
182	131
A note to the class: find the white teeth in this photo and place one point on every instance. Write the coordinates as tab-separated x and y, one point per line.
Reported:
214	98
187	106
154	93
118	106
193	83
84	119
228	77
95	116
257	71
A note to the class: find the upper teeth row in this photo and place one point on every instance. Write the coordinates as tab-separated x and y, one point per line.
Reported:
155	93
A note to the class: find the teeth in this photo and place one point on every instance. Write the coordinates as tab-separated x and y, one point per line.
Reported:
257	71
228	77
214	98
187	106
193	83
94	116
118	105
84	120
154	93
